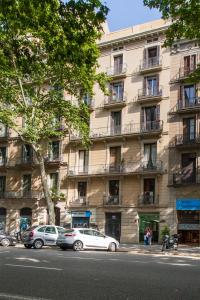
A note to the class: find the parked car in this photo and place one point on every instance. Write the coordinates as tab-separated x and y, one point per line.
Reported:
7	240
40	236
86	238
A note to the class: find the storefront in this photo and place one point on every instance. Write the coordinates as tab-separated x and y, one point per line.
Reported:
150	220
2	219
188	215
81	218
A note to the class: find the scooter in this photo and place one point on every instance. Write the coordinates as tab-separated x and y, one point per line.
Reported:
170	242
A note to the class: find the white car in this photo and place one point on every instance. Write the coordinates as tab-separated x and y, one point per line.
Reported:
86	238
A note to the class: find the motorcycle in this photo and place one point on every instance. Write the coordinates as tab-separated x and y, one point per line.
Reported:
170	242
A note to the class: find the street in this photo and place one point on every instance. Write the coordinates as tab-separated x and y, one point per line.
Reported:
54	274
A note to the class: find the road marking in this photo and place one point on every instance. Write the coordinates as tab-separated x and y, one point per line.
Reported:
18	297
4	251
34	267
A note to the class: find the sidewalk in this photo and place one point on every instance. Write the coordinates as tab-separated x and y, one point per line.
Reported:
183	250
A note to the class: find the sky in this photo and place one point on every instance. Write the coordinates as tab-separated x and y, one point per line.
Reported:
126	13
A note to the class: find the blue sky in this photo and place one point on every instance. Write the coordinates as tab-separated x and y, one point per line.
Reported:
125	13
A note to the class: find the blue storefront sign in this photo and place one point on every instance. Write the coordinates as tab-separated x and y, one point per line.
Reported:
188	204
83	214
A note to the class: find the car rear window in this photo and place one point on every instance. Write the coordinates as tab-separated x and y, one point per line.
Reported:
61	230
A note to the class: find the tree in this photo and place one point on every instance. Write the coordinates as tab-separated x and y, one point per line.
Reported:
48	47
185	16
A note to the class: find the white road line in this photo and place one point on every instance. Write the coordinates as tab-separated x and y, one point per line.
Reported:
18	297
4	252
34	267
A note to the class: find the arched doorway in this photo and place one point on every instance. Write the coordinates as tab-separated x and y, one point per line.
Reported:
2	219
25	218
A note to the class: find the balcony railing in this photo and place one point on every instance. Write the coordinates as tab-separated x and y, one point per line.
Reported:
144	94
186	105
150	63
136	167
148	199
79	201
115	100
185	176
117	70
21	194
186	140
112	200
183	73
53	158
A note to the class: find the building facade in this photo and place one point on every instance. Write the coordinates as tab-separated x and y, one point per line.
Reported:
129	179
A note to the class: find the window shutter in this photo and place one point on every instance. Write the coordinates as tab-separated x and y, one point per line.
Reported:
158	113
142	117
145	83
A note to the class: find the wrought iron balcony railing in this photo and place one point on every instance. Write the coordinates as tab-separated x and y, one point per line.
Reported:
21	194
147	93
183	73
150	63
184	176
186	105
137	167
79	201
117	70
187	140
115	100
112	200
148	199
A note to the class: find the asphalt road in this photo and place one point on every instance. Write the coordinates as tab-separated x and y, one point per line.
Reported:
53	274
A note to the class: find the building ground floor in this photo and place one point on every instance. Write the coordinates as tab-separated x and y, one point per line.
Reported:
126	224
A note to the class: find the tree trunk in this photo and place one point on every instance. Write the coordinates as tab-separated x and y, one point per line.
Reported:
49	202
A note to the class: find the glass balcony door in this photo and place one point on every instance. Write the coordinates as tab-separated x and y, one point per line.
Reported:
152	86
2	156
117	90
83	161
189	95
118	63
189	130
150	156
149	190
188	163
115	159
116	122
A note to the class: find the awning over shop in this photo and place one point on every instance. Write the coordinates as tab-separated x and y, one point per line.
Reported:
187	204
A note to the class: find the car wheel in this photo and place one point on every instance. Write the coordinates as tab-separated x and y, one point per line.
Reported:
38	244
112	247
27	246
5	242
78	246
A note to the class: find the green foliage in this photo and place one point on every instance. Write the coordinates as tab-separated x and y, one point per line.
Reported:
185	17
47	47
165	231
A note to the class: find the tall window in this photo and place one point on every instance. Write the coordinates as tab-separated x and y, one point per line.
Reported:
150	118
82	189
149	190
115	158
189	129
115	122
26	184
2	156
2	185
3	130
114	191
188	163
27	153
150	155
2	219
53	177
116	91
189	95
189	64
151	56
151	85
54	150
83	161
118	64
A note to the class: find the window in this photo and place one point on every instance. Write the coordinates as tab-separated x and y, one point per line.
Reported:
117	48
27	153
50	230
115	158
151	86
151	56
87	99
115	122
98	234
2	219
117	90
82	189
2	156
87	232
3	130
188	163
113	191
42	229
2	185
61	230
150	117
53	180
150	155
189	95
83	161
189	129
54	150
149	190
189	64
26	184
118	64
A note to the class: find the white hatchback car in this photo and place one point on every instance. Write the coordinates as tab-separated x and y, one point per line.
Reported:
86	238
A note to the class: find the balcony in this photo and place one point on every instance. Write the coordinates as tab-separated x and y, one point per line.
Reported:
186	106
147	200
149	95
125	168
78	202
184	177
115	101
54	160
117	71
186	141
112	200
150	65
21	194
183	74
